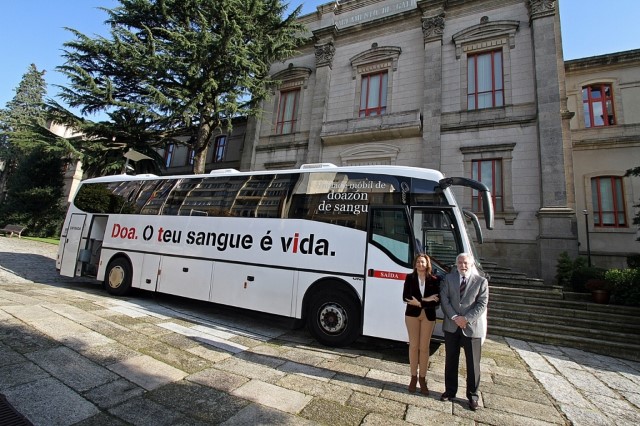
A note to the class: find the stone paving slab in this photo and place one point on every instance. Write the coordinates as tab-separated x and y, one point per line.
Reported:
332	413
273	396
147	372
20	373
72	369
113	393
161	360
590	389
50	402
256	414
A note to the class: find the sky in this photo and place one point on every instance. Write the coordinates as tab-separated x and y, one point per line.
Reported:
33	32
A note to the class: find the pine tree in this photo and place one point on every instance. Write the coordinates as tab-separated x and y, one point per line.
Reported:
19	121
35	193
33	159
178	69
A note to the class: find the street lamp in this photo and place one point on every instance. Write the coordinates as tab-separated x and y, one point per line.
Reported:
586	228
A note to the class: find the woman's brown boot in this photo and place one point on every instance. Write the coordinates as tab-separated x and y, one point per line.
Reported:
423	386
412	384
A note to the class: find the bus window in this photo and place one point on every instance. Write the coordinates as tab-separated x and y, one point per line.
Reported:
158	197
427	193
113	197
390	232
436	234
173	205
147	190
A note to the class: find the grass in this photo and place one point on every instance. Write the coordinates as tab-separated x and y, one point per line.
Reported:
55	241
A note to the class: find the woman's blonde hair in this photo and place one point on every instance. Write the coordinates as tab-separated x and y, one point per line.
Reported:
427	258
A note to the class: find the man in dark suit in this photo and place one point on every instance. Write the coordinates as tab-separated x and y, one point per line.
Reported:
464	296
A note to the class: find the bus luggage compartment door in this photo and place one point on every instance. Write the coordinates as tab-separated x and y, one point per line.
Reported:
149	272
185	277
253	287
72	240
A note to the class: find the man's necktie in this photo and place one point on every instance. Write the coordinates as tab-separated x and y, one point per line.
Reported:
463	285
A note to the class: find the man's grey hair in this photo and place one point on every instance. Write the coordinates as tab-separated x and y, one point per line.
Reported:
469	257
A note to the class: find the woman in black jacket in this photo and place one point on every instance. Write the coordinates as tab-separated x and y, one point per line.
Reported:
421	294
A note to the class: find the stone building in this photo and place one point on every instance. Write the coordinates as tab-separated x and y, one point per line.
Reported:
474	88
470	87
604	92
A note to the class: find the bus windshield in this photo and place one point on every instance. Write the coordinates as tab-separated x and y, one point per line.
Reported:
435	234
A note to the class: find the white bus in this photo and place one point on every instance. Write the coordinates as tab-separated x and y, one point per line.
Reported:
324	244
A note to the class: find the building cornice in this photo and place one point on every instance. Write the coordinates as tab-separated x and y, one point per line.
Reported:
630	57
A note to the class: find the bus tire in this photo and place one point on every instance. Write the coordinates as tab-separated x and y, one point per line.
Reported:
334	319
117	278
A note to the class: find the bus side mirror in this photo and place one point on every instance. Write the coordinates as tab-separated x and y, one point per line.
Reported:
483	190
487	208
476	225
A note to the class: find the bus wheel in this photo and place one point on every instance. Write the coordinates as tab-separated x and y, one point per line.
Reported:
334	319
117	278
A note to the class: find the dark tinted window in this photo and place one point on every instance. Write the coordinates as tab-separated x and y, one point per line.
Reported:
427	193
113	197
339	198
390	232
174	205
157	198
344	198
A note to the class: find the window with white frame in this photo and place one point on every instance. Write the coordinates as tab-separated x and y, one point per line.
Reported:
608	204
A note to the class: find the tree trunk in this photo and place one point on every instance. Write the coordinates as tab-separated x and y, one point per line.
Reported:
4	177
201	148
199	161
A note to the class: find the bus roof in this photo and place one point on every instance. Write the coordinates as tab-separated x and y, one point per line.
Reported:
413	172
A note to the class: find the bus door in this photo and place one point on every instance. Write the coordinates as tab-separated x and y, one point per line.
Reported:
71	248
437	235
389	258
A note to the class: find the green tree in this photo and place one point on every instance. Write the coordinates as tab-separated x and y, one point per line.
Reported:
32	178
179	69
635	172
34	194
16	122
101	145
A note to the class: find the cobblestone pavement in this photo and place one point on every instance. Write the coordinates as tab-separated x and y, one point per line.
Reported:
72	354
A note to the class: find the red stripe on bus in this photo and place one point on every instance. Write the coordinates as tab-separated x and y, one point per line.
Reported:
389	275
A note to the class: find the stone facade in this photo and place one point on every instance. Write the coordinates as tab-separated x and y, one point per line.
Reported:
606	151
424	48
